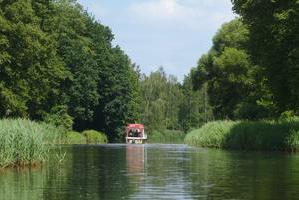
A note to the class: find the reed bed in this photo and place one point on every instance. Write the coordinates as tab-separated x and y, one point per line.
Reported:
24	142
247	135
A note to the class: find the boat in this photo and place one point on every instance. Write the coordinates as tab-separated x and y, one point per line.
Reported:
135	134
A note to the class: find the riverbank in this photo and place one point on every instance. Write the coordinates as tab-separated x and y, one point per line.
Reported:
28	143
166	137
24	142
86	137
247	135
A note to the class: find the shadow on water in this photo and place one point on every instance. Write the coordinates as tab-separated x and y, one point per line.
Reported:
156	172
245	175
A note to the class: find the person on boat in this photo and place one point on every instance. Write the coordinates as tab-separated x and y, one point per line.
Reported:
130	133
136	133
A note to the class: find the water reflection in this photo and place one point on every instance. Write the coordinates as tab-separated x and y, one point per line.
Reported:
156	172
135	158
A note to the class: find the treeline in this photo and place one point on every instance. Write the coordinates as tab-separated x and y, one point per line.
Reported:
170	105
252	69
57	64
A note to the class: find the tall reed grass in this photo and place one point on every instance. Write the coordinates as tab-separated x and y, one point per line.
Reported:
24	142
247	135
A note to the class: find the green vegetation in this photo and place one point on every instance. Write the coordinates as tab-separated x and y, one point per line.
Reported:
58	65
23	142
168	104
236	86
95	137
86	137
273	44
73	137
166	137
248	135
251	73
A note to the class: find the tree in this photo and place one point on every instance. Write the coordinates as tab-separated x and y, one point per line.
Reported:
234	82
56	61
168	104
273	43
119	101
194	109
30	70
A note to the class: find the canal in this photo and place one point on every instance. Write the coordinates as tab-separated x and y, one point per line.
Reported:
155	172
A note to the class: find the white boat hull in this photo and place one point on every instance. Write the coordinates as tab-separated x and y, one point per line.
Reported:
135	140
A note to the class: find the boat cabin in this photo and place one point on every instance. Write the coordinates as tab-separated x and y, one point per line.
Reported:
135	134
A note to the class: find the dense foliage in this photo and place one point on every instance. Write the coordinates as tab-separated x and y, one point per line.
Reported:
168	104
252	73
57	64
236	86
274	44
252	68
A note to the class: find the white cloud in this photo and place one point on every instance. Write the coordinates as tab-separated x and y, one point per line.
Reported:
171	33
160	10
195	14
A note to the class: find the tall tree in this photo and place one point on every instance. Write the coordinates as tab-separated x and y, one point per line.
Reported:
30	70
234	82
194	109
119	100
274	44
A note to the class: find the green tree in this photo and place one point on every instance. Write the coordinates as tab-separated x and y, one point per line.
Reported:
234	83
194	109
153	106
31	72
57	61
119	100
273	43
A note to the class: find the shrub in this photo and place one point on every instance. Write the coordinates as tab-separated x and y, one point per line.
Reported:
95	137
59	117
73	137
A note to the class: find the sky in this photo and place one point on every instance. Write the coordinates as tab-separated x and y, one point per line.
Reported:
169	33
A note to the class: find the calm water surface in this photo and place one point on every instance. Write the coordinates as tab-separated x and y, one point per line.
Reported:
156	172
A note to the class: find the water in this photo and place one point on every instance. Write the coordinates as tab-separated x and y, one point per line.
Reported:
156	172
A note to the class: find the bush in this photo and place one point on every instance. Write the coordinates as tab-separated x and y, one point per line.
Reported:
24	142
73	137
59	117
95	137
288	116
247	135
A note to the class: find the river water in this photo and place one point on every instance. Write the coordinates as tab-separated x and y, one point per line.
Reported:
155	172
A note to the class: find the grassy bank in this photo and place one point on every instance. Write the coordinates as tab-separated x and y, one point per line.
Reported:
246	135
23	142
86	137
166	137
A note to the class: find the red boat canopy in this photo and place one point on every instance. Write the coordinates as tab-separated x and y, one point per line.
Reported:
140	127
